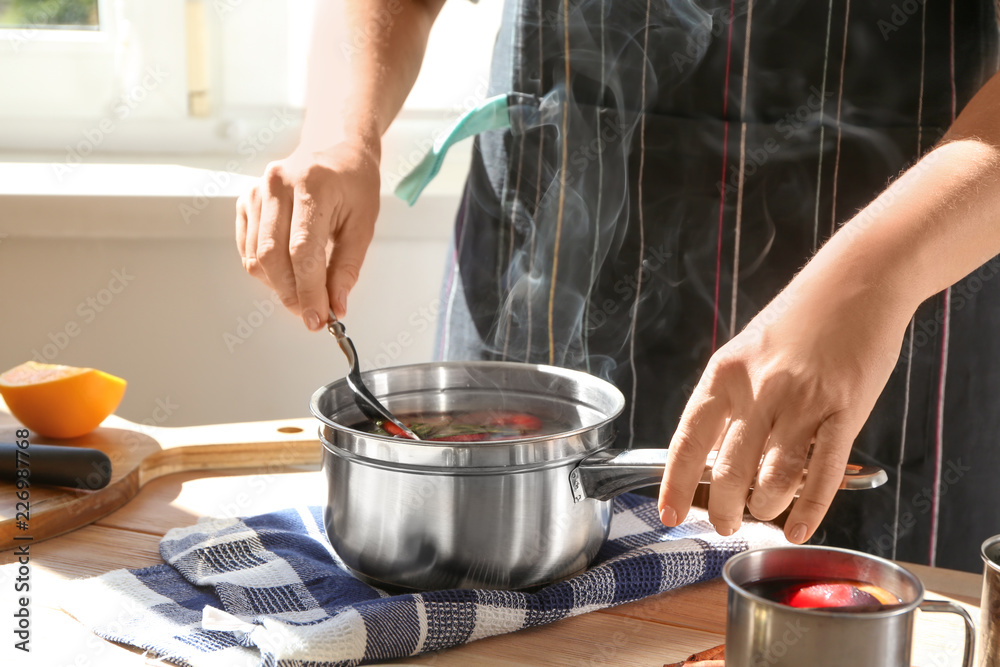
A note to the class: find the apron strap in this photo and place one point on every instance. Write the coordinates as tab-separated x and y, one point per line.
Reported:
492	114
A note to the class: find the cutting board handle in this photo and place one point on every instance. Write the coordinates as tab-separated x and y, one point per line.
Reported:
140	453
274	445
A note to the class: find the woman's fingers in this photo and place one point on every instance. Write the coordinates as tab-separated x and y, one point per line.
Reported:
349	249
735	468
826	472
310	232
780	472
248	251
241	224
250	261
702	425
810	364
272	236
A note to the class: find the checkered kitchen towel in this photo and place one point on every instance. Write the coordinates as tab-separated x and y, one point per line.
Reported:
269	590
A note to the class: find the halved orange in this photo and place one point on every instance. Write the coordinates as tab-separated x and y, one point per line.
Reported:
60	401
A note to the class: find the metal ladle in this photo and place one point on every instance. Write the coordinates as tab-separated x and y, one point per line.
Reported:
365	400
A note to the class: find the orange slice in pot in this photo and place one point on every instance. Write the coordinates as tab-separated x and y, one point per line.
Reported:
60	401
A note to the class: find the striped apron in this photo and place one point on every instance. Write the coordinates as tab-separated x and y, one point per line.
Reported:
677	164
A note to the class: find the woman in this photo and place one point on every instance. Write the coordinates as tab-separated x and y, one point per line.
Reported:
670	169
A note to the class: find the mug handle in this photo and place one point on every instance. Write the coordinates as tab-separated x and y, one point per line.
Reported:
970	627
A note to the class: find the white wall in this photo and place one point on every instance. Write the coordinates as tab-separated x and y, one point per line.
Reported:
165	331
121	284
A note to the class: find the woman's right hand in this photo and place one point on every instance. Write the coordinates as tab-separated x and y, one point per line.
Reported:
305	226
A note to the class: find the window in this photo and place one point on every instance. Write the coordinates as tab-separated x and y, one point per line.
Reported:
143	76
87	78
49	14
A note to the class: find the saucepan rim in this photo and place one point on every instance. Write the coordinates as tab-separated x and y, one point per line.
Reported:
608	390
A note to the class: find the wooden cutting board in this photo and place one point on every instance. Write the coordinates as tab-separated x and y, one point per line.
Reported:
141	453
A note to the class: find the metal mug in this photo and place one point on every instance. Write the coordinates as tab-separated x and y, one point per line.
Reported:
760	631
989	605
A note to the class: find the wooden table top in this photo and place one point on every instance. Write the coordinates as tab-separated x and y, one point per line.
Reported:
658	630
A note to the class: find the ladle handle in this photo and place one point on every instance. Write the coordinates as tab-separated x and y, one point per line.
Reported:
338	331
366	401
610	472
970	627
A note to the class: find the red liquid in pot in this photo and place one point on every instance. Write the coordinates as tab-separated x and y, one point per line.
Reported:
475	426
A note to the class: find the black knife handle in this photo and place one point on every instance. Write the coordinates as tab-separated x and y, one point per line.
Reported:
60	465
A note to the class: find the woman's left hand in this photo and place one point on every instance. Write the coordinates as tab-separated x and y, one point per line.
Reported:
810	366
807	369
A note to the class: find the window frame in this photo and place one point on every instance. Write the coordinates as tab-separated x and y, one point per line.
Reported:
239	128
135	70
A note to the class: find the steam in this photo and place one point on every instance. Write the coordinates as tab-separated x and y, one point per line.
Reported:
581	151
660	87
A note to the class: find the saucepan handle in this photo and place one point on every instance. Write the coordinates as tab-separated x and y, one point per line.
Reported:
610	472
970	627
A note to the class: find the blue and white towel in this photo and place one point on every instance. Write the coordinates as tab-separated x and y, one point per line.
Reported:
269	590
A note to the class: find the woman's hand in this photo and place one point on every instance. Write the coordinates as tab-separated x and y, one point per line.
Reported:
808	368
811	365
305	226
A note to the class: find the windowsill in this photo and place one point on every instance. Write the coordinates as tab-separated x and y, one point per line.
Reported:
43	197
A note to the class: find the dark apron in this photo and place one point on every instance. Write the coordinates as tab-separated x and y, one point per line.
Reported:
603	230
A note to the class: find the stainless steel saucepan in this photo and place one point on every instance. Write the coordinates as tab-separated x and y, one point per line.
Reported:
506	514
